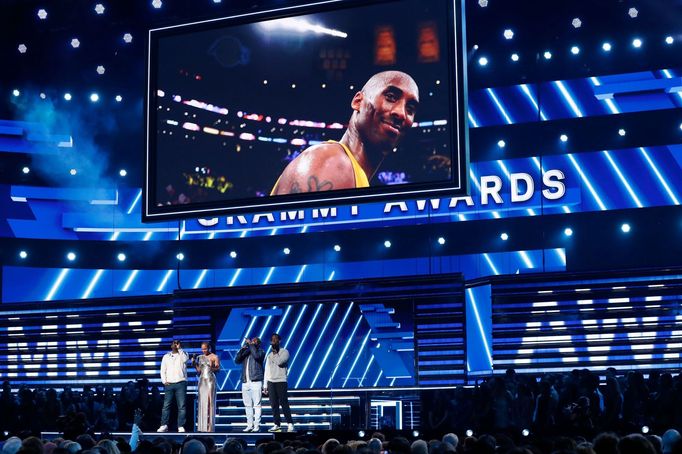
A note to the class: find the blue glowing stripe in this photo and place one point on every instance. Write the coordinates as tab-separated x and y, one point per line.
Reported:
92	284
114	236
234	277
331	275
317	342
357	357
298	320
163	283
265	326
623	179
569	99
343	353
490	262
562	255
267	278
609	102
658	174
331	345
474	306
526	259
376	382
300	273
587	182
369	363
499	106
526	91
305	336
57	284
148	236
137	199
473	122
247	333
200	278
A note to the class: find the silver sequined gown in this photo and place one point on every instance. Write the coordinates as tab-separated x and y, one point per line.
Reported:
206	396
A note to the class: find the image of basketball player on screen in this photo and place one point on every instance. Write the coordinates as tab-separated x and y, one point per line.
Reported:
383	112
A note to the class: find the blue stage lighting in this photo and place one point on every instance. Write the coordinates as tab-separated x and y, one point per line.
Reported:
73	172
16	92
508	33
42	14
94	97
337	248
361	433
118	98
576	22
75	43
233	254
100	70
23	254
504	236
669	40
636	43
99	8
25	170
568	231
547	55
645	429
67	96
441	240
127	38
563	138
387	244
482	3
483	61
621	132
625	228
575	50
515	57
415	433
71	256
469	433
180	256
121	257
22	48
606	47
157	4
501	143
123	172
525	432
286	251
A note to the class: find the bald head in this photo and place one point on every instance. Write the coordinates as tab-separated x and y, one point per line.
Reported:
380	81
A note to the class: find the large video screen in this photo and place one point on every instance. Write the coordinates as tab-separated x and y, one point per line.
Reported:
337	102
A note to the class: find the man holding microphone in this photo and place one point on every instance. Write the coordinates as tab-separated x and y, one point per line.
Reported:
275	386
251	357
174	379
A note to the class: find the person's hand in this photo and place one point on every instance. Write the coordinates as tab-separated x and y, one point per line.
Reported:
265	391
165	383
137	419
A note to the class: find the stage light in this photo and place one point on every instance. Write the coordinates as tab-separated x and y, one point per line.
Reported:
157	3
669	40
575	50
547	55
123	172
576	22
636	43
23	254
501	143
438	82
441	240
483	61
25	170
42	95
625	228
606	47
180	256
387	244
351	87
233	254
525	432
286	251
71	256
568	231
128	38
94	97
217	1
621	132
337	248
75	43
118	98
563	138
469	433
293	85
504	236
42	14
99	8
100	70
16	92
361	433
324	85
67	96
121	257
515	57
22	48
73	171
415	433
632	12
508	34
265	82
645	429
482	3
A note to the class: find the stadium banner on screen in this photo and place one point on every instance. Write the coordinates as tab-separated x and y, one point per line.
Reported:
334	102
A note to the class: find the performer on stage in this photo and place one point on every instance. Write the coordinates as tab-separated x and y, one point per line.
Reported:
174	379
206	364
276	383
251	357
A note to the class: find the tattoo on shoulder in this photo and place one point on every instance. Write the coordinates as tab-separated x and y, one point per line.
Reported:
314	185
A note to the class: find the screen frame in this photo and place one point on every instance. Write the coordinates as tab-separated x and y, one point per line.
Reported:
458	184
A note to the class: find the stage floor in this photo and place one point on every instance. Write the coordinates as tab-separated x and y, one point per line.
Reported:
251	438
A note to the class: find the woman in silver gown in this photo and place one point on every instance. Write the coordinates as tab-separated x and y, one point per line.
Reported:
206	364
